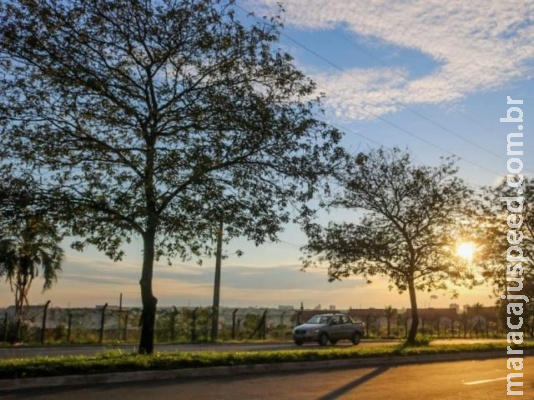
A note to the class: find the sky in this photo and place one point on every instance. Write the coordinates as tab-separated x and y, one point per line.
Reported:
430	76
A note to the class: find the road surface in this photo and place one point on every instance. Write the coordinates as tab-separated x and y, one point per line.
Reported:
24	352
463	380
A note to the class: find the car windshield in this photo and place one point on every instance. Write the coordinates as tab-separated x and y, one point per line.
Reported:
319	319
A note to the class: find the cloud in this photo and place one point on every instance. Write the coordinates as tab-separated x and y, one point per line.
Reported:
88	281
478	46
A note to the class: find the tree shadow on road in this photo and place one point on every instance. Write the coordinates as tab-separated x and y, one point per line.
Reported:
355	383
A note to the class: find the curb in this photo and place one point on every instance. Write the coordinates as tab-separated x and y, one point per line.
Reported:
157	375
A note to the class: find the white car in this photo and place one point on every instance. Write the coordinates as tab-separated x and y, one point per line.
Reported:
331	328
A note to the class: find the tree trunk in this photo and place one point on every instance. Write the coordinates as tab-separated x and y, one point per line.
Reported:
415	315
20	297
148	316
19	301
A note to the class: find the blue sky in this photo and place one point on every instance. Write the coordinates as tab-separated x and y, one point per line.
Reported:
431	76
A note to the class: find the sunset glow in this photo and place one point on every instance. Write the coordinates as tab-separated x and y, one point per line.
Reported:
465	250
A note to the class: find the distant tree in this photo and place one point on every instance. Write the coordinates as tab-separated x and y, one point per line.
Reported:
477	318
158	119
492	230
412	219
389	313
29	248
463	322
477	308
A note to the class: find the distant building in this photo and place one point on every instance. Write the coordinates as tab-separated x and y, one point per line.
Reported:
455	306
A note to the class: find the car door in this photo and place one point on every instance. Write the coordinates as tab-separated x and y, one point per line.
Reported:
336	328
346	327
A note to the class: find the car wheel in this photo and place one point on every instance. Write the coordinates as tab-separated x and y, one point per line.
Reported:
299	342
333	342
323	339
356	338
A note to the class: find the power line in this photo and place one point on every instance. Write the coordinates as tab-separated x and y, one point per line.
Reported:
404	130
422	116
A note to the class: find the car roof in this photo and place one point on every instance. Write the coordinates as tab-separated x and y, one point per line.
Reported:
328	315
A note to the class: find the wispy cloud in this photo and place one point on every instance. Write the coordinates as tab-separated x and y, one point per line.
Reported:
478	46
88	281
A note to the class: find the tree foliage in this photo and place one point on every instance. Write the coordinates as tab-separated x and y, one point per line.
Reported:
493	233
411	219
155	119
29	247
493	229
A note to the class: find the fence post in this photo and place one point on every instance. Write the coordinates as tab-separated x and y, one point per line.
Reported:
282	326
44	322
260	328
5	327
69	327
233	323
299	316
102	320
119	319
263	324
194	325
174	313
126	325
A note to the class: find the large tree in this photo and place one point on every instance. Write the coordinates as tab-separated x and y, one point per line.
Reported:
158	119
29	247
409	221
493	230
493	234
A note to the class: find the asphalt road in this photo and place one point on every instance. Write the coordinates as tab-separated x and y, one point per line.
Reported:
24	352
463	380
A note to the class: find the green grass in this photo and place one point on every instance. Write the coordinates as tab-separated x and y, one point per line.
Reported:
117	361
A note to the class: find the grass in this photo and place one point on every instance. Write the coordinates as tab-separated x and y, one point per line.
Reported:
118	361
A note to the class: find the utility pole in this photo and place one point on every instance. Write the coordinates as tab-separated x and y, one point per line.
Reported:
217	285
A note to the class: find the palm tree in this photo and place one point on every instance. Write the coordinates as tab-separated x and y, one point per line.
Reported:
389	312
28	249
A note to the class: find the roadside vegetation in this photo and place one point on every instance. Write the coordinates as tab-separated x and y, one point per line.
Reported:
119	361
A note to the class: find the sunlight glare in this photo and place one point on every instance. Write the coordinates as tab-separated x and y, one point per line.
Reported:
465	250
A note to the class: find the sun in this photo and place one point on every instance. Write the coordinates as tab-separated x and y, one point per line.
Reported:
465	250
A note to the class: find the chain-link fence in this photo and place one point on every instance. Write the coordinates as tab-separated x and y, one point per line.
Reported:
105	324
112	324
